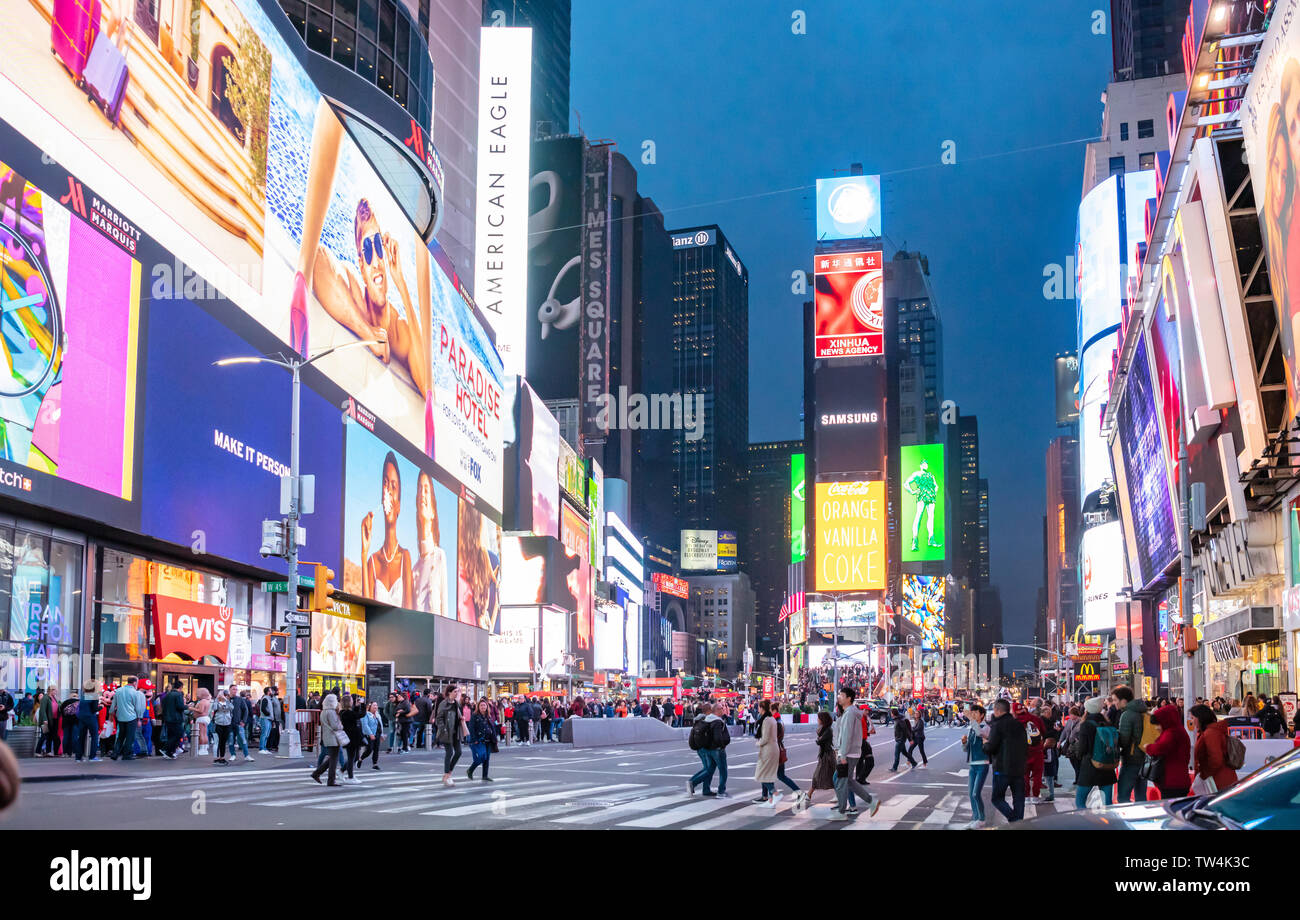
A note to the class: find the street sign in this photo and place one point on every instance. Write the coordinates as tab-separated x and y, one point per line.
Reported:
282	587
297	618
304	632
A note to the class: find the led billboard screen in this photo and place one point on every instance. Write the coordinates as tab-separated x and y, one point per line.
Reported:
512	649
850	527
555	225
925	504
532	468
849	418
1067	389
1146	476
798	524
852	614
728	560
338	644
699	550
1101	560
478	567
850	298
670	584
923	606
848	208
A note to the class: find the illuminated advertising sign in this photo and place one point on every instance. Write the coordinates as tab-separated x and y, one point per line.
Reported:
478	567
189	629
596	513
399	529
849	418
798	522
798	626
1146	478
608	639
850	298
671	584
1067	389
555	225
848	208
511	650
533	468
924	607
850	527
523	570
852	614
597	164
699	550
338	643
1087	672
691	239
70	294
1268	123
925	505
1102	563
573	473
728	561
501	225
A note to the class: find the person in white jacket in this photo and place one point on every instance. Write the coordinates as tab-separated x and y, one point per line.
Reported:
848	748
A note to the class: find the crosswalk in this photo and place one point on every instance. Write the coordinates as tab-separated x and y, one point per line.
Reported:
524	799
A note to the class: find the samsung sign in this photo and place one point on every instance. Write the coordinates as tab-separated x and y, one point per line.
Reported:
693	238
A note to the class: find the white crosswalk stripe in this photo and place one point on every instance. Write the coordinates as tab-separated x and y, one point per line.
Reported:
508	803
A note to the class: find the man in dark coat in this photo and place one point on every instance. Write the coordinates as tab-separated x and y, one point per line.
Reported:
1007	748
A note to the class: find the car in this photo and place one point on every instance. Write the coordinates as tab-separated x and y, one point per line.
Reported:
877	710
1267	799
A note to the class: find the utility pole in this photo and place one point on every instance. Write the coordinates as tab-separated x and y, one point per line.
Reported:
1185	575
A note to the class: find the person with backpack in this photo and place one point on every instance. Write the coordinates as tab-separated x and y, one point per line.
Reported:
1135	730
902	737
68	724
1006	746
1272	719
1097	746
1168	755
451	731
1035	754
700	741
1216	757
721	738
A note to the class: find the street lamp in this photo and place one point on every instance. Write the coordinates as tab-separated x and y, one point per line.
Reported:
294	364
835	635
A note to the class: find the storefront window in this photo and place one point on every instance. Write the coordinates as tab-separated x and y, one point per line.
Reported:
40	611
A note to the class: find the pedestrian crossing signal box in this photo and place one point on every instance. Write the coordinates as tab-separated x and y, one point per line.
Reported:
277	643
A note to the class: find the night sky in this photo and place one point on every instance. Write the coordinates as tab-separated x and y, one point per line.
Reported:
746	115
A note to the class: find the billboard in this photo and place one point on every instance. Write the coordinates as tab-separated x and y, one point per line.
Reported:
338	644
216	442
798	523
597	163
1271	131
512	648
505	76
797	623
923	606
532	468
925	504
523	570
555	224
70	313
1146	477
693	239
850	304
399	529
478	567
728	560
671	584
699	550
850	528
1101	558
848	208
852	614
849	424
1067	389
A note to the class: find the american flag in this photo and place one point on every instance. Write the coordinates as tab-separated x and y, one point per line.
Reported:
794	596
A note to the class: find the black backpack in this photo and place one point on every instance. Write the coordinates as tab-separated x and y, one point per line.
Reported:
700	738
720	735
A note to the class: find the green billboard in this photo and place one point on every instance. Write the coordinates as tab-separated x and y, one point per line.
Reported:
924	503
797	542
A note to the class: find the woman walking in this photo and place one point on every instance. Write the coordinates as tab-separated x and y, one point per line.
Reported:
769	756
1173	748
451	731
482	739
222	714
1212	771
201	710
918	738
824	772
977	762
782	757
350	719
47	718
372	729
331	735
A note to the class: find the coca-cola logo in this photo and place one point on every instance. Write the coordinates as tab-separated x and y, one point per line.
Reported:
848	488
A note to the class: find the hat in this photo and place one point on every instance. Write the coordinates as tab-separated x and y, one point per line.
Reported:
1092	706
90	686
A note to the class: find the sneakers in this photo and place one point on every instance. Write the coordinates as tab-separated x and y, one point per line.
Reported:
247	758
690	788
776	798
724	795
758	801
448	781
973	825
374	766
101	760
836	815
1035	800
875	807
851	810
488	779
316	777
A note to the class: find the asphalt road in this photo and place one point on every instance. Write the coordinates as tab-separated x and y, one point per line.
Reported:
551	786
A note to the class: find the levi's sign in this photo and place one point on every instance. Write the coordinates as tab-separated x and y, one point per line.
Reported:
189	629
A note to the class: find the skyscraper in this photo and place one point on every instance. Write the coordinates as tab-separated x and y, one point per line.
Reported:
551	22
765	542
1147	38
710	360
919	355
966	467
1062	613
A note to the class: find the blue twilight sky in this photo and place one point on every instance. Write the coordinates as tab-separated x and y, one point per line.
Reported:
745	115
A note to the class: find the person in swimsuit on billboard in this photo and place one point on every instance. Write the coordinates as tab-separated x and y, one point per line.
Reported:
921	486
386	576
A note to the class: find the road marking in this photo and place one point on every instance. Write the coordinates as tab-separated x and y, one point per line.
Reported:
628	808
891	812
588	811
943	812
424	800
397	791
526	800
681	813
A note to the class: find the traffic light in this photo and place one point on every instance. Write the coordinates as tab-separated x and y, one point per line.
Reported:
322	590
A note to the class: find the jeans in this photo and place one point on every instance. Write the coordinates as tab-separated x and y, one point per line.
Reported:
780	774
975	785
704	775
451	753
390	737
720	758
87	725
900	750
264	729
125	738
1081	795
1130	782
145	740
481	754
917	746
419	733
1049	775
848	786
238	740
768	790
1001	783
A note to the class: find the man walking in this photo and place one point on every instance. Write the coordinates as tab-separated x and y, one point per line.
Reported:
721	738
848	747
1132	720
701	742
268	714
902	739
1007	747
173	718
240	713
127	707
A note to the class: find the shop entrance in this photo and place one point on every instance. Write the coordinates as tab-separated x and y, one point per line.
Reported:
190	682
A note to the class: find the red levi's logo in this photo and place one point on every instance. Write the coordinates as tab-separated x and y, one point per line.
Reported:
190	629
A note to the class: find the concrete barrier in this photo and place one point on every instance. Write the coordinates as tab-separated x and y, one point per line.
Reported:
631	730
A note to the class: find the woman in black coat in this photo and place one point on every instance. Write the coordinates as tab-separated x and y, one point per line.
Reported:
824	773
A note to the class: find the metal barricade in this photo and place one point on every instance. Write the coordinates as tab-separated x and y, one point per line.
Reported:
1246	732
308	722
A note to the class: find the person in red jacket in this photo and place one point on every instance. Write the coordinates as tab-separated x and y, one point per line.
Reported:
1175	747
1212	748
1034	737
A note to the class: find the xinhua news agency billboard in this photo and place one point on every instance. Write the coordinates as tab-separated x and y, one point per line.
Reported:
925	505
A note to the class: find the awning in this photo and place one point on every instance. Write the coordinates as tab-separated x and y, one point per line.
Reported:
1247	626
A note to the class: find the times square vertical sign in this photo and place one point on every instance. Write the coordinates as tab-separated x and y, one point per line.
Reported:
595	294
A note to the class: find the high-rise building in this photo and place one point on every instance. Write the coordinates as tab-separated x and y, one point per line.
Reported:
919	355
1133	132
1062	541
988	627
710	362
765	543
721	616
982	575
551	22
966	469
1147	38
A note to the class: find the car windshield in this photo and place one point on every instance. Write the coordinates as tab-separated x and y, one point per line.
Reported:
1269	798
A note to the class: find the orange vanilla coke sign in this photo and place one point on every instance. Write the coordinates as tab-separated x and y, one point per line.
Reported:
850	536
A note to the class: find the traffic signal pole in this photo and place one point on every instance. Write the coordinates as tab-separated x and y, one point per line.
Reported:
295	496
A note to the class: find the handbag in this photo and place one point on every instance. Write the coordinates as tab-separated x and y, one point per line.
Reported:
784	756
341	737
1152	769
1204	786
842	770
